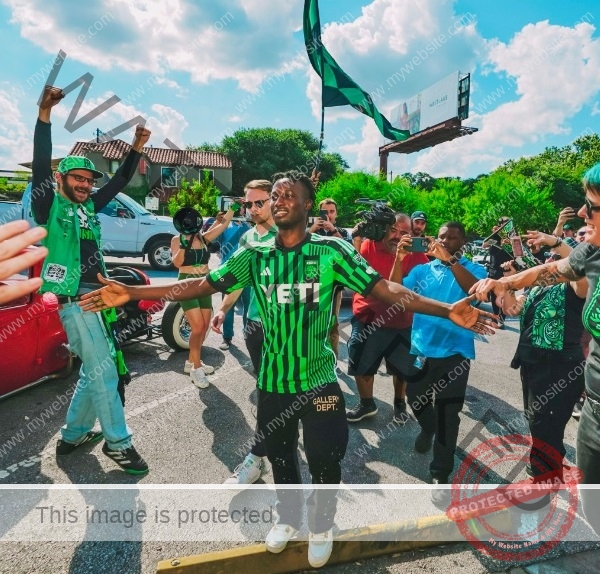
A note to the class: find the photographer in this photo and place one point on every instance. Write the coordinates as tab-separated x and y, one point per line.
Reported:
380	331
325	223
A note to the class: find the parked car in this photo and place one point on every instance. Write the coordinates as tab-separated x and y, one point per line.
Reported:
128	229
33	344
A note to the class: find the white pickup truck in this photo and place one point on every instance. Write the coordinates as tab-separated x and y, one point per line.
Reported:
128	229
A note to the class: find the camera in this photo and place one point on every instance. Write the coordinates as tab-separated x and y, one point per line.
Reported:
374	222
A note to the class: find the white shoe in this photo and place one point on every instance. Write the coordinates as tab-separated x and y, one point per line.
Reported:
199	378
208	370
279	536
188	367
225	344
319	548
248	472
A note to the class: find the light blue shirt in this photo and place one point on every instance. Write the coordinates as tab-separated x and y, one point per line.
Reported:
436	337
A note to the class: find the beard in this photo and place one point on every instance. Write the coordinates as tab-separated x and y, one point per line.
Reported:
69	191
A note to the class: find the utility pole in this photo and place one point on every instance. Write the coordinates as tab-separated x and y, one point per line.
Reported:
98	134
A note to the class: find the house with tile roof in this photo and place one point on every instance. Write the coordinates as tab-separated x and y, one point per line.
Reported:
162	169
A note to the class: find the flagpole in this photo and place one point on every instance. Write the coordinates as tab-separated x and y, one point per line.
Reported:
318	159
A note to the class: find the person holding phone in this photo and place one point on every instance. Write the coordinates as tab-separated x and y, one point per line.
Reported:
325	224
443	353
190	256
380	331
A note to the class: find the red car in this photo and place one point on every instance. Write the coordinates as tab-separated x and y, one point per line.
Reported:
32	341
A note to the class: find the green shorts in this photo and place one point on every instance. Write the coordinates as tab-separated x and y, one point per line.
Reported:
199	303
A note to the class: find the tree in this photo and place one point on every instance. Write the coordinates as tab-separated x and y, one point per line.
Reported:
258	153
505	194
200	195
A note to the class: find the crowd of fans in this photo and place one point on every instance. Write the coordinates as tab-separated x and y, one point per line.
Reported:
412	308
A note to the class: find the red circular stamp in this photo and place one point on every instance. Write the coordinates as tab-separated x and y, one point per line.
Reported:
546	504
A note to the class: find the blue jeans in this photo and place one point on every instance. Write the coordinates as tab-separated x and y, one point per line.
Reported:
244	300
96	395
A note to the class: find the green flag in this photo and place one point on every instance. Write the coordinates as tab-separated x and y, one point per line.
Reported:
339	89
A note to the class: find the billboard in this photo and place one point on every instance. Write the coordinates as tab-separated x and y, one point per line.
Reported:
432	106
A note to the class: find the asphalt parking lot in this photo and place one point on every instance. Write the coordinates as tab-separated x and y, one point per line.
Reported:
194	437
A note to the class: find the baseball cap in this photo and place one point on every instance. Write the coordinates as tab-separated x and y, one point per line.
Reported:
78	162
418	215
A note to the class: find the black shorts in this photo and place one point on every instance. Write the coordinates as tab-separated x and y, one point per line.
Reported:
369	344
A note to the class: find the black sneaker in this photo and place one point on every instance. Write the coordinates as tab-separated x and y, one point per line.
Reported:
424	441
128	459
63	447
361	412
400	414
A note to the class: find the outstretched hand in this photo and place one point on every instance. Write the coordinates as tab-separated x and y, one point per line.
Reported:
465	315
113	294
481	290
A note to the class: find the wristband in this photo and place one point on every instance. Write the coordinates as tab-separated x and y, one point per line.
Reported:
558	242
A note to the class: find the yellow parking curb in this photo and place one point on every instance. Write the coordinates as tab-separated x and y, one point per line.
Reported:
349	546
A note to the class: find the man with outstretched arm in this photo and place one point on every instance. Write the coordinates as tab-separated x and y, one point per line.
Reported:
70	269
294	276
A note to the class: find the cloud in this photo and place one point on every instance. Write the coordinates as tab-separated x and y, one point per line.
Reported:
243	40
553	71
537	82
379	48
163	121
15	137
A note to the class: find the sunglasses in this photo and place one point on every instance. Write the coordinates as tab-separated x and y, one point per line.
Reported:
81	179
590	208
581	234
259	203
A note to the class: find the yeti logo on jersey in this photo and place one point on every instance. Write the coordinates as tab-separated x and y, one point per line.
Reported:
285	293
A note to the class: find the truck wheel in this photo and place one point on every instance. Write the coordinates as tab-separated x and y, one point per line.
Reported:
175	328
159	255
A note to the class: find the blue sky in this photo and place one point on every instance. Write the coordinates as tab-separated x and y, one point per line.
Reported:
199	70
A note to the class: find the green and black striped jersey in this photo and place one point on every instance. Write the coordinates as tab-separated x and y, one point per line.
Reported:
294	291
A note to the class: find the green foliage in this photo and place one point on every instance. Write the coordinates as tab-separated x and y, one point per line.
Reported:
12	191
258	153
513	195
201	195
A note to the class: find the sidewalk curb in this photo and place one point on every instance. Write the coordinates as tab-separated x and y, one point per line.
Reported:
349	546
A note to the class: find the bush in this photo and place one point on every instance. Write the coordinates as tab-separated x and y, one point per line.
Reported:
200	195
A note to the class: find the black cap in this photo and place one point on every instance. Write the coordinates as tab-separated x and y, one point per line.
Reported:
187	221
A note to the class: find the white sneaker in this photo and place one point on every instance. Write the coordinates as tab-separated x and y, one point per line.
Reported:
319	548
225	344
248	472
199	378
279	536
208	370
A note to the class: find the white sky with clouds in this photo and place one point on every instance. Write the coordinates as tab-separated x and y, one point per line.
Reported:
225	64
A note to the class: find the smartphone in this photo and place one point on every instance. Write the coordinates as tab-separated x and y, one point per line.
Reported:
517	246
323	214
418	245
227	201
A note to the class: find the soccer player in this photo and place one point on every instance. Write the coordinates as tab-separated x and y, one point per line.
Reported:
294	276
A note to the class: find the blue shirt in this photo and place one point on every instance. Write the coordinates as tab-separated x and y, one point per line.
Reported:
436	337
230	238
